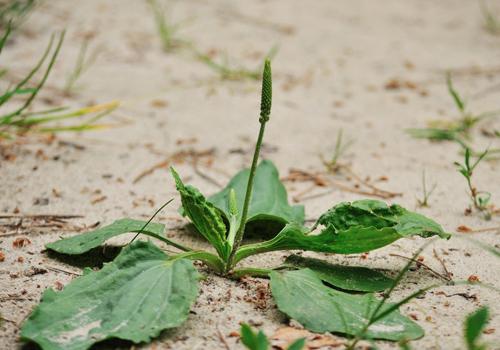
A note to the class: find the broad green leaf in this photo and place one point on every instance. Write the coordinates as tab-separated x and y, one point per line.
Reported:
133	298
269	201
302	296
474	325
83	243
350	228
354	278
252	340
204	215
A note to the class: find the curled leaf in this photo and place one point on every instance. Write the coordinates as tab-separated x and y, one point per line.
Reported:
204	215
350	228
377	214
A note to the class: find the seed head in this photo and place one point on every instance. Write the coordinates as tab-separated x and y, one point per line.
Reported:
267	93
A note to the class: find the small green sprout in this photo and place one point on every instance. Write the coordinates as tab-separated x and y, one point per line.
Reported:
458	130
166	30
491	21
14	12
480	199
426	193
340	149
82	64
227	72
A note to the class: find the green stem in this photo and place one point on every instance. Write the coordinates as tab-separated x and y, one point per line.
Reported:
161	238
246	203
151	219
213	261
169	242
265	111
254	249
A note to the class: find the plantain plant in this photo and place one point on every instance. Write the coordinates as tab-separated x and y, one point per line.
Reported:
144	290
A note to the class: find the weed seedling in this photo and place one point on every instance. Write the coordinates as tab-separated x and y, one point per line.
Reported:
14	12
82	64
491	22
426	193
20	120
166	30
334	166
170	42
341	147
458	130
227	72
144	291
480	199
21	88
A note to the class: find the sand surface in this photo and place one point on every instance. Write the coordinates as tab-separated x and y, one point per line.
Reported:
334	62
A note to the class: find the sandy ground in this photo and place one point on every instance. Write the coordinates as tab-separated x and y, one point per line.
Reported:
334	61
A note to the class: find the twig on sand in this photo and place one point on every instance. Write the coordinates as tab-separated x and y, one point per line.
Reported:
12	297
41	216
17	223
441	261
312	196
376	191
9	320
319	179
203	175
57	269
180	157
301	195
222	339
466	229
258	21
150	170
419	263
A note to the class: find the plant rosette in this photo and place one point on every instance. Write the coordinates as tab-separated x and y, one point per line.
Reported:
144	290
